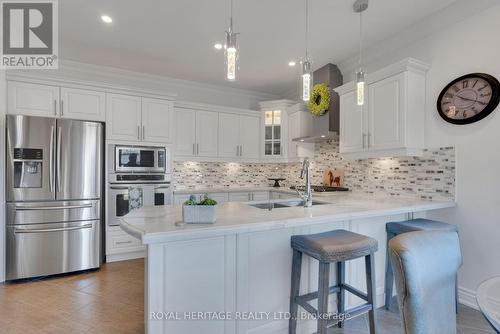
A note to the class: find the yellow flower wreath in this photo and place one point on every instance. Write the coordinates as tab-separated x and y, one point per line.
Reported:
319	102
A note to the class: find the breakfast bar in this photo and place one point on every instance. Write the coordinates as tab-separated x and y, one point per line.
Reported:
233	276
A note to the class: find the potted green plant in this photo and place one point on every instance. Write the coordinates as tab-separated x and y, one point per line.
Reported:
203	212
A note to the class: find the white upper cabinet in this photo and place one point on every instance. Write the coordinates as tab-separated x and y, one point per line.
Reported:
185	134
196	133
83	104
352	124
282	121
249	137
391	122
53	101
32	99
135	118
239	136
123	117
229	135
157	120
207	124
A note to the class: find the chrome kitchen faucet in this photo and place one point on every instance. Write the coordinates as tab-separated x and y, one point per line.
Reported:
305	174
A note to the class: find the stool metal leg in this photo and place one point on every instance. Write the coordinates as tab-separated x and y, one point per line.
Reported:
294	291
389	275
371	290
341	293
323	289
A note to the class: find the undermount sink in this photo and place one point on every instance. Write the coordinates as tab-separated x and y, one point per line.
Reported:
287	204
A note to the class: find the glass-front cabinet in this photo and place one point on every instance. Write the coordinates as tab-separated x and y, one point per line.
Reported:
274	131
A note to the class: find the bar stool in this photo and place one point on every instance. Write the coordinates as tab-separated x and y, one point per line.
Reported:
336	246
395	228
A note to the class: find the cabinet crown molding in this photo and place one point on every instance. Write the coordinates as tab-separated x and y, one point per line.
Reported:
276	104
407	64
215	108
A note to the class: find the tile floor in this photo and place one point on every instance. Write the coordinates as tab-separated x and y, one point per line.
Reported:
110	300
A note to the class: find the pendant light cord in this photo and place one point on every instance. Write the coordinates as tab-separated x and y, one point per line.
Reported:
307	28
360	38
231	18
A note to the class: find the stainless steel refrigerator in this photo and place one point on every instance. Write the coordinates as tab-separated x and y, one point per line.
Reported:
53	191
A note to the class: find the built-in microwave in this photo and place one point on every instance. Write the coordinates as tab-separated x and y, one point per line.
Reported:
140	159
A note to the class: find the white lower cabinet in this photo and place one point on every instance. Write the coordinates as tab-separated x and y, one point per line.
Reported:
247	272
122	246
260	196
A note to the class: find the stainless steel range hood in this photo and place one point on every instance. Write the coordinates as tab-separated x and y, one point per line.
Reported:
325	127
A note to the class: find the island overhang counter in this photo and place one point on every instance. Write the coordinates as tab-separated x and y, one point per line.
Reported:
233	276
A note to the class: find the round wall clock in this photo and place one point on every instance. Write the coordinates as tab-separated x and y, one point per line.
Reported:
469	98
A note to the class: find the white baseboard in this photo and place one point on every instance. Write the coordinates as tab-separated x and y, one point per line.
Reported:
467	297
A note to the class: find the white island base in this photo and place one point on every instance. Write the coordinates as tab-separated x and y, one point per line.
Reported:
234	276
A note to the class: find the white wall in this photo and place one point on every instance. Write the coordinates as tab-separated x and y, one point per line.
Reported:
471	45
3	105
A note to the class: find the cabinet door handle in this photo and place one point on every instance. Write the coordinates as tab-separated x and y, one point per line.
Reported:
138	132
237	151
143	132
62	107
55	107
197	149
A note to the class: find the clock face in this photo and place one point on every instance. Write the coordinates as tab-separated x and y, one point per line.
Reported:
469	98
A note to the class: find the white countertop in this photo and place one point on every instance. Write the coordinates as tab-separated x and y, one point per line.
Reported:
162	224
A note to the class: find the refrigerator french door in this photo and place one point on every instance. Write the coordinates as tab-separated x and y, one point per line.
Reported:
54	186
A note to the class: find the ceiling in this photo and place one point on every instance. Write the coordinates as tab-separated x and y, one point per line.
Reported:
175	38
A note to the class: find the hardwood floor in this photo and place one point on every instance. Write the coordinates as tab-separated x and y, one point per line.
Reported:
111	300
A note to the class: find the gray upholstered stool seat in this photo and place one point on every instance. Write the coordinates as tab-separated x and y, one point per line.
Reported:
419	225
413	225
335	246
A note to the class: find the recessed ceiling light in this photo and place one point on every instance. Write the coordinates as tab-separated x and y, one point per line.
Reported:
106	18
292	63
218	46
302	140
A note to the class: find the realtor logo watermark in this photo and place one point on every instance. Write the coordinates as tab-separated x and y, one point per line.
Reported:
29	32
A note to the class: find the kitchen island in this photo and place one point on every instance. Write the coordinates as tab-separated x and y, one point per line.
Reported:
234	276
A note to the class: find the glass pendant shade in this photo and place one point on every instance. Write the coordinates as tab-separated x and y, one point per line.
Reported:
231	55
306	79
360	87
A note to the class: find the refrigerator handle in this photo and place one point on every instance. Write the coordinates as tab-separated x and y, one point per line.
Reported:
51	159
58	158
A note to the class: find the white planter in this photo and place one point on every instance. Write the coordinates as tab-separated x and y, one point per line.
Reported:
199	214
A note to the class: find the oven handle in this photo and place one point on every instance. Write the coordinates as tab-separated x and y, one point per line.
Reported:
162	187
118	187
41	230
33	208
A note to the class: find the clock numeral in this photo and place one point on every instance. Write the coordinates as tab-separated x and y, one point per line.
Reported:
475	83
446	102
480	89
465	84
484	95
456	89
448	95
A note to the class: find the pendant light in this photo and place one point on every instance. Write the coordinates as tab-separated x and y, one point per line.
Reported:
231	52
306	75
359	7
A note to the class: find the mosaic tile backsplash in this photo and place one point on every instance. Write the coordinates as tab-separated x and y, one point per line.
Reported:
431	176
